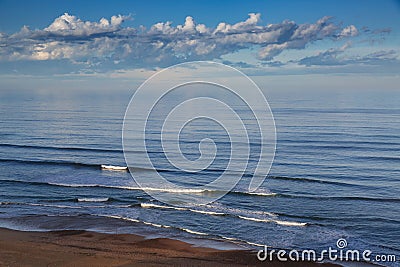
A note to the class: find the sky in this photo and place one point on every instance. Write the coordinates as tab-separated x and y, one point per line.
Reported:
49	43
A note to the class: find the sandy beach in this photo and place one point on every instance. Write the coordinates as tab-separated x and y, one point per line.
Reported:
84	248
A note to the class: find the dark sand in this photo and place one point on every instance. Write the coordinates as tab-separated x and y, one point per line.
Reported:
83	248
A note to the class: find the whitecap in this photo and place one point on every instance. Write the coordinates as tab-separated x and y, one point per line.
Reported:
93	199
114	168
280	222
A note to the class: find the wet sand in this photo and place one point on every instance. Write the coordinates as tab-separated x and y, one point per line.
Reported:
84	248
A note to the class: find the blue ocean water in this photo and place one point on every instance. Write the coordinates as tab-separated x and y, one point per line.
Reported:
336	172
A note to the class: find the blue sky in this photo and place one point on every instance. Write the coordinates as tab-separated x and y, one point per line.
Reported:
132	39
372	13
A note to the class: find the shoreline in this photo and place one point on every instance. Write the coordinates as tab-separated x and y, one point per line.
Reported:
87	248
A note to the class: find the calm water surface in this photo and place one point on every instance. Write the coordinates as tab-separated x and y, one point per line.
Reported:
336	172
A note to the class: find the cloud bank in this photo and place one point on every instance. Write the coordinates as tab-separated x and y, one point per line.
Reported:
70	38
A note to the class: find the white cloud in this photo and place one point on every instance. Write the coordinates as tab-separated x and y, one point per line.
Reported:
301	35
70	25
189	25
329	57
335	57
350	30
248	24
109	43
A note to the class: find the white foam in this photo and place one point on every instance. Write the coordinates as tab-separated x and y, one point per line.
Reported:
135	220
192	232
156	225
236	212
175	190
266	194
93	199
153	224
62	206
74	185
254	219
229	238
286	223
114	168
50	206
208	212
239	241
120	218
254	244
149	205
171	190
265	220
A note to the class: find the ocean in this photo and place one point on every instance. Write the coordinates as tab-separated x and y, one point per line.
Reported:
336	172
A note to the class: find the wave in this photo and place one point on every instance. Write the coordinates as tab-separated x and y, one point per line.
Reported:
201	191
138	188
208	212
150	205
118	217
319	181
192	232
209	236
176	190
285	223
339	143
202	234
83	149
154	224
376	158
7	203
267	220
55	184
134	220
40	205
237	211
124	168
63	148
88	165
340	198
113	168
94	199
261	194
353	135
50	162
252	243
105	216
172	190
